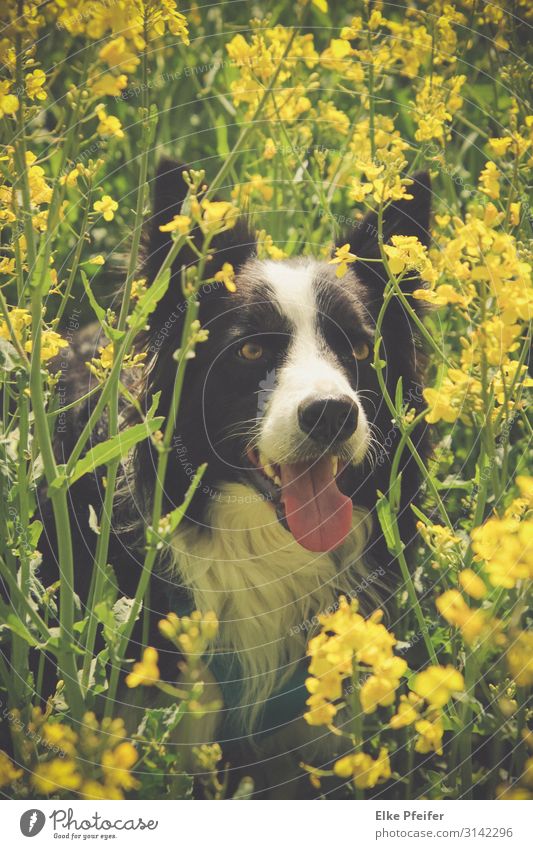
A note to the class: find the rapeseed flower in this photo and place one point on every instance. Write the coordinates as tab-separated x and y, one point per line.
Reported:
437	684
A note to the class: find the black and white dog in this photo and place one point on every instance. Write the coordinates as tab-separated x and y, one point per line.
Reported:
283	404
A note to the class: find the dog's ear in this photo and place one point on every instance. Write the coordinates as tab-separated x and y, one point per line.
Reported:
401	218
170	190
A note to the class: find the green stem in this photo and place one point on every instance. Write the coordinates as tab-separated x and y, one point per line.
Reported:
58	497
102	547
191	314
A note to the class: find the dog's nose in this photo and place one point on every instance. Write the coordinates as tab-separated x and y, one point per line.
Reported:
328	420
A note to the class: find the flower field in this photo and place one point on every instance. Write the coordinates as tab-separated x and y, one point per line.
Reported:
301	118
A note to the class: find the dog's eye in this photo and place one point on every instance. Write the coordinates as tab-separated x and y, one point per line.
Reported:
361	351
250	351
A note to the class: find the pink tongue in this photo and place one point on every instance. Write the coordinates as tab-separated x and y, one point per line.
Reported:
318	514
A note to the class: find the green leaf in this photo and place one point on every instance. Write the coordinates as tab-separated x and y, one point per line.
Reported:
8	355
395	493
13	623
57	645
34	533
158	724
114	617
148	301
100	313
112	449
398	401
386	520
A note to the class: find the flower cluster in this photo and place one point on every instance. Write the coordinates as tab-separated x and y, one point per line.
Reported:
505	544
346	639
16	327
94	762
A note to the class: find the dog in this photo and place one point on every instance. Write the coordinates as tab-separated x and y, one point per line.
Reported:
283	404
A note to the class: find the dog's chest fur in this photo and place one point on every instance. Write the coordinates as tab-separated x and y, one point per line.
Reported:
265	589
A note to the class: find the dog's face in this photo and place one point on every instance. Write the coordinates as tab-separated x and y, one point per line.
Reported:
283	395
286	378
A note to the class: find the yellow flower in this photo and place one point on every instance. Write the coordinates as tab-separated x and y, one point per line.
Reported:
506	546
56	775
375	20
321	712
520	658
118	56
347	637
380	688
257	184
512	793
489	181
146	672
343	257
217	216
108	125
8	771
364	771
138	288
429	736
108	86
107	207
435	104
41	192
525	485
456	397
442	541
445	295
407	253
266	246
499	146
20	320
359	191
353	31
452	607
329	685
227	276
269	150
408	711
34	85
95	790
51	344
180	224
207	756
436	684
117	763
9	103
514	213
334	119
58	734
472	584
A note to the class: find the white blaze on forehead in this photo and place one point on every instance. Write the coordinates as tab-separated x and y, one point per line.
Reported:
294	292
311	367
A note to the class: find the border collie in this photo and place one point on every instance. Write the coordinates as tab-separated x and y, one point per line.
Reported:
283	404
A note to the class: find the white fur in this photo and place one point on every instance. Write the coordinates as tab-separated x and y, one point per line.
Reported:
262	585
311	369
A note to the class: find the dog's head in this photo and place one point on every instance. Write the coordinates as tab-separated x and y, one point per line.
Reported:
283	394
